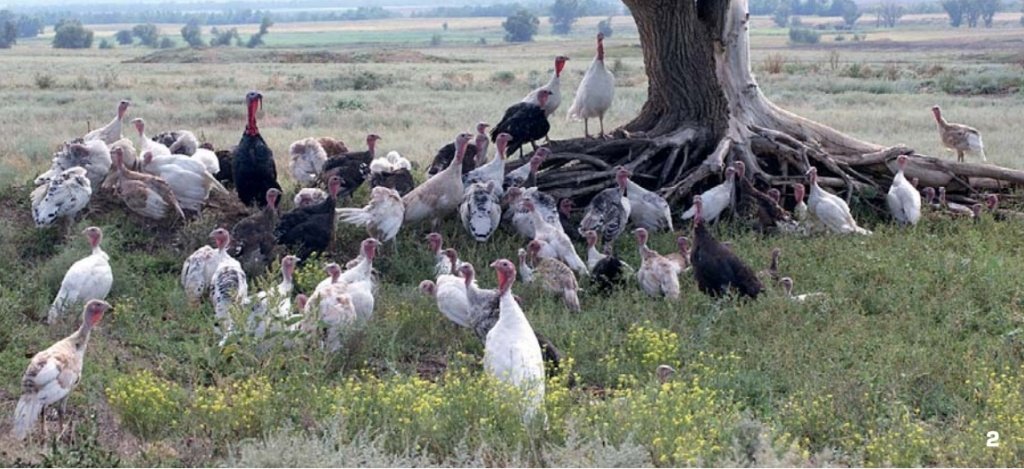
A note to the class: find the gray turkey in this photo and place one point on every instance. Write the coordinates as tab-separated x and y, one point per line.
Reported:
480	211
608	211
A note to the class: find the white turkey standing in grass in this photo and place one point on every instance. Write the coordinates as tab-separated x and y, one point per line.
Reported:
61	197
511	351
440	195
658	276
958	137
595	93
831	210
647	209
493	170
261	318
111	132
480	211
89	278
93	155
197	271
230	286
307	160
903	199
53	374
382	216
716	199
451	295
554	243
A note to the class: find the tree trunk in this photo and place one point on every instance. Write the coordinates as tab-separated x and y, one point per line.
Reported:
705	108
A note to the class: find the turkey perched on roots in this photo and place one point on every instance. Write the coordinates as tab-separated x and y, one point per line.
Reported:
446	154
53	374
520	219
715	267
252	163
903	199
111	132
382	216
952	208
554	276
554	243
93	156
511	353
647	209
525	121
179	142
310	229
554	85
393	172
145	143
492	171
188	178
89	278
958	137
484	305
525	176
144	194
307	160
565	207
608	212
992	205
439	196
595	93
480	211
62	197
254	236
230	287
751	202
830	210
309	196
716	199
353	168
657	275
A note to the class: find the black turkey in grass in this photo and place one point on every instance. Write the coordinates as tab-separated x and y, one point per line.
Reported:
253	237
715	267
310	229
526	122
446	154
353	168
252	165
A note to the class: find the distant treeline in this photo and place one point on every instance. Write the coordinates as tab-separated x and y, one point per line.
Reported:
831	8
587	8
243	16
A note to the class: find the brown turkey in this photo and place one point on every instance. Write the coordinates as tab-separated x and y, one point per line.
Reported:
253	237
715	267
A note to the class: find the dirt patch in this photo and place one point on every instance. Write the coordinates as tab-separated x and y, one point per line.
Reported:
226	56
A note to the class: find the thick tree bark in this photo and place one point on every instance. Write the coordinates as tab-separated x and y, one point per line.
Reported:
705	108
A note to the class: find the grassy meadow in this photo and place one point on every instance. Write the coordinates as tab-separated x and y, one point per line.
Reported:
913	358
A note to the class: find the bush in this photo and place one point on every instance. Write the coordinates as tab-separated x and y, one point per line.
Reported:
8	33
45	81
124	37
149	406
563	15
520	27
192	34
773	63
167	43
148	34
70	34
504	77
105	44
223	38
436	39
781	15
803	36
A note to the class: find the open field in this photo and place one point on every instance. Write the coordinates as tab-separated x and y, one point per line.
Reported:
912	359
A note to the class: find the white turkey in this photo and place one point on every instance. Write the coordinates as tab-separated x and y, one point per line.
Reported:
188	178
93	155
525	176
520	219
53	374
230	287
62	197
382	216
89	278
554	276
307	160
439	196
800	209
831	210
309	196
144	194
197	271
360	280
554	85
647	209
451	295
391	162
787	286
261	317
209	160
716	199
128	153
554	243
111	132
657	275
147	145
480	211
903	199
609	211
595	93
511	351
492	171
442	264
178	142
525	271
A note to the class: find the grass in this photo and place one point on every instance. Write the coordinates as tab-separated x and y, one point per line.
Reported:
911	360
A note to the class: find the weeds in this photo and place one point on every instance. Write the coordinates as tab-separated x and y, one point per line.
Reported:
773	63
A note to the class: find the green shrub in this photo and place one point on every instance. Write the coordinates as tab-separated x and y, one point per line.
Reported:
803	36
44	81
239	409
149	407
504	77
